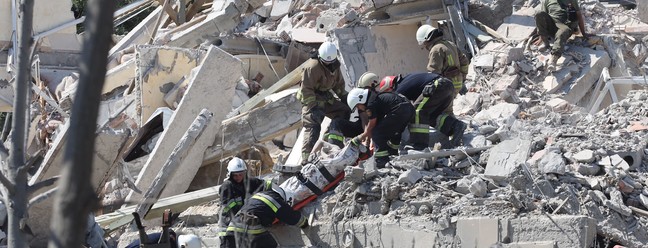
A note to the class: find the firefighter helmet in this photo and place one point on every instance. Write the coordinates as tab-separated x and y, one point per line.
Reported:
327	52
357	96
427	33
188	241
368	80
236	165
387	84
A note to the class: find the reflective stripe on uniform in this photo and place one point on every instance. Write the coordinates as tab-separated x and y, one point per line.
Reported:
392	145
232	203
419	128
301	222
268	184
382	154
335	137
303	100
274	205
450	61
457	83
441	120
418	109
250	229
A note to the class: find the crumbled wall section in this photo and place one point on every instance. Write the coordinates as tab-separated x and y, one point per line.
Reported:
158	69
385	50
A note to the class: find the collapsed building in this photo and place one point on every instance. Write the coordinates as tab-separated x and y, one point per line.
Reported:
550	159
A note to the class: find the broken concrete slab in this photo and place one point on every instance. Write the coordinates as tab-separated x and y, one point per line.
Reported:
505	82
139	35
478	187
566	230
119	76
552	163
584	156
588	76
259	125
616	203
484	62
506	157
211	89
518	26
410	177
467	104
501	111
478	232
158	70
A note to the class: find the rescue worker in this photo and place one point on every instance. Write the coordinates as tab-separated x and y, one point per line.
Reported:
558	19
388	113
321	82
445	59
234	191
248	228
431	94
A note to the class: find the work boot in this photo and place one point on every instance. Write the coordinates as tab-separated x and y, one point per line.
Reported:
457	133
552	63
381	162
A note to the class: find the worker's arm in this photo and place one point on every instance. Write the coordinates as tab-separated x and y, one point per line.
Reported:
436	61
581	24
370	126
464	62
289	216
340	88
307	90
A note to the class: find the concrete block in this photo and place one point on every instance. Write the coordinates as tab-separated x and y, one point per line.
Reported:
467	104
519	25
644	200
506	81
614	161
506	157
478	232
328	19
158	70
280	9
558	105
212	89
501	111
354	174
616	203
410	177
588	169
485	62
584	81
463	186
552	162
565	230
584	156
478	187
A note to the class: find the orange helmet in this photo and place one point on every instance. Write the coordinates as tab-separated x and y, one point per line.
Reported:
387	84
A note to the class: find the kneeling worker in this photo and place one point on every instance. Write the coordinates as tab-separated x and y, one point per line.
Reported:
258	213
388	115
432	94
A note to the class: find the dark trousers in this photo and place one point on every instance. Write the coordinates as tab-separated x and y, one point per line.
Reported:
548	27
264	240
312	121
428	112
386	135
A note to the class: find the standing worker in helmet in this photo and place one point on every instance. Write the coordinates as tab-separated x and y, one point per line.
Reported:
388	113
249	227
445	58
432	94
236	188
321	82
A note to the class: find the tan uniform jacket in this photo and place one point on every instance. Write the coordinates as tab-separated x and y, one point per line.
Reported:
316	83
446	59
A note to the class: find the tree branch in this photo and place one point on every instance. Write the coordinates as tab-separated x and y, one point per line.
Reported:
41	197
6	183
42	184
4	153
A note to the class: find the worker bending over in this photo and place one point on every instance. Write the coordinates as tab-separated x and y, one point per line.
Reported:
234	191
388	115
558	19
248	228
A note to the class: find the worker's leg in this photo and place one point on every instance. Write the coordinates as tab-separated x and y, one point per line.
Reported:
227	242
545	25
386	135
338	113
341	128
450	108
264	240
427	112
451	127
562	35
312	121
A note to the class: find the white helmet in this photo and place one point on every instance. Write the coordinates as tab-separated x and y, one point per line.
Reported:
357	96
279	191
236	165
188	241
368	80
327	52
424	33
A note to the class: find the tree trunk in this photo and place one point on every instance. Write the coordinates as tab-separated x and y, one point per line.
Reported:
75	197
17	173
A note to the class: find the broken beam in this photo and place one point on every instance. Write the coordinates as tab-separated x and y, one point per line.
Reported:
178	203
286	82
170	11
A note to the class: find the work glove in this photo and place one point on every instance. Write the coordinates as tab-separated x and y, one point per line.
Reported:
357	140
428	90
463	89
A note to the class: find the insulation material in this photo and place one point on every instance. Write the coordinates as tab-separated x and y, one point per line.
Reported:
333	160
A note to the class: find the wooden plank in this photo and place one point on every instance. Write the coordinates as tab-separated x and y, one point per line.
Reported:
178	203
195	7
169	10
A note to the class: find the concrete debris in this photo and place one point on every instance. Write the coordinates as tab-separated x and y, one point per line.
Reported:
542	154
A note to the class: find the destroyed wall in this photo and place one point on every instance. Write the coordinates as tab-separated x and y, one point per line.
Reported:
47	15
385	50
490	12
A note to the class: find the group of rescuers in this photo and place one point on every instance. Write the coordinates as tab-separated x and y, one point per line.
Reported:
386	107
